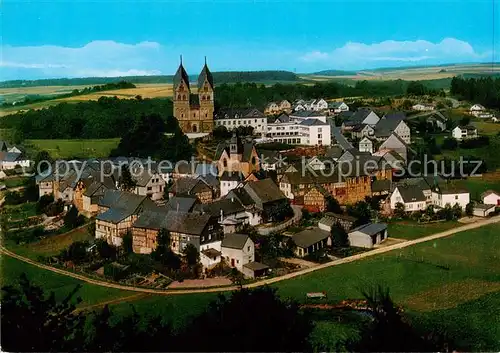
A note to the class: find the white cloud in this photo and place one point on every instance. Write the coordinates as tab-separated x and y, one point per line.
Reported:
97	58
359	54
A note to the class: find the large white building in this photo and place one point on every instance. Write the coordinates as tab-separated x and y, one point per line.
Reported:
442	197
233	118
464	132
309	132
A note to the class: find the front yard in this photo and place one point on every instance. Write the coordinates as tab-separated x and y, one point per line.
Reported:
410	230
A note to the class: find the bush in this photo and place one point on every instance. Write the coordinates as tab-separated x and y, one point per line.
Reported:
13	198
54	209
116	271
43	202
72	219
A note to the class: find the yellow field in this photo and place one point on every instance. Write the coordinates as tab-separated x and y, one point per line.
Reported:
144	90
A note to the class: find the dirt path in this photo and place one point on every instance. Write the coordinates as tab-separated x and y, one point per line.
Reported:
357	257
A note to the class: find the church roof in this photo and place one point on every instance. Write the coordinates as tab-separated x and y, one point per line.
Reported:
205	74
181	74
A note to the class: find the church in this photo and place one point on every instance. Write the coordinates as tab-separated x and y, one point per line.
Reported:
195	112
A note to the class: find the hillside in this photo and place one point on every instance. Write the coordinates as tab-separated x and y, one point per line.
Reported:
219	77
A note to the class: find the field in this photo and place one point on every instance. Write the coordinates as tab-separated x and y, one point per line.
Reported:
92	148
18	94
451	284
409	73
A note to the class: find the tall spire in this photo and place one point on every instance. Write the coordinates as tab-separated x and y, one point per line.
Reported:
205	60
181	59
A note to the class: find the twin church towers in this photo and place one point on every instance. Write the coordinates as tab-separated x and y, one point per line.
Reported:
195	112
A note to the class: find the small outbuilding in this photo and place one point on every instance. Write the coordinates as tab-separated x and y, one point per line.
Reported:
310	240
483	210
255	270
368	235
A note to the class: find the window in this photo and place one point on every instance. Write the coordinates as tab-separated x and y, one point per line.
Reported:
248	249
149	188
224	162
456	197
179	97
184	97
253	160
237	261
319	129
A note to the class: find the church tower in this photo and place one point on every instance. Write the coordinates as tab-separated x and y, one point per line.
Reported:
182	92
206	97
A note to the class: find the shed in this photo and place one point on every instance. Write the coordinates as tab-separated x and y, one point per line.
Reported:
255	269
483	210
368	235
310	240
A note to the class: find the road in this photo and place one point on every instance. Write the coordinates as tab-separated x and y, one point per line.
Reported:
263	282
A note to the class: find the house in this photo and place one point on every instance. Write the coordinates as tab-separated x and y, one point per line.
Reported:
232	118
330	219
396	144
438	120
445	195
411	197
280	119
362	130
92	194
12	160
423	107
491	197
285	106
368	235
310	240
229	181
237	156
118	210
271	108
464	132
189	187
366	145
238	250
399	116
381	187
483	210
300	116
315	199
316	104
148	183
477	109
361	116
210	258
337	107
258	198
182	204
387	127
231	213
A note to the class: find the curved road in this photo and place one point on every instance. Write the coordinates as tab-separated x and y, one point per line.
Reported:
263	282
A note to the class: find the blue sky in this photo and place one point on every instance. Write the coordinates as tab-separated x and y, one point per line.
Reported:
57	38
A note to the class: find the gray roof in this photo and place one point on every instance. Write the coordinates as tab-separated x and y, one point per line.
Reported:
334	104
205	74
243	148
203	169
334	152
10	156
187	223
234	241
264	190
183	204
241	195
256	266
282	118
333	218
385	127
152	220
232	176
227	206
370	229
309	237
306	114
381	185
239	113
395	116
181	74
411	193
313	122
211	253
358	116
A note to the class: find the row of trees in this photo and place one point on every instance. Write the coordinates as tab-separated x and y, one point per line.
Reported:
483	90
245	320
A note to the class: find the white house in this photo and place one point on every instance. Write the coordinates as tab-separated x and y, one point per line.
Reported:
338	107
368	235
210	254
362	130
411	197
386	127
464	132
364	116
477	109
10	160
423	107
229	181
149	184
233	118
483	210
491	197
396	144
316	105
366	145
238	250
443	196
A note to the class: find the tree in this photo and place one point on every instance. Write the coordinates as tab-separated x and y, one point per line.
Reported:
361	210
76	252
192	255
340	238
407	104
30	193
469	209
127	242
388	332
236	277
464	121
32	321
43	202
229	324
399	210
72	218
457	211
332	205
126	182
105	250
446	212
279	211
373	202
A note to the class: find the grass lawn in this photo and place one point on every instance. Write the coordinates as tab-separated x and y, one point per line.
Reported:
14	182
413	230
60	285
487	128
91	148
21	211
477	186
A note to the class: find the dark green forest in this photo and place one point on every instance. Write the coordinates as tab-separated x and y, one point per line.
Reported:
108	117
484	90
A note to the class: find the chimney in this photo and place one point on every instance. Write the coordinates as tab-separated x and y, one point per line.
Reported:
221	215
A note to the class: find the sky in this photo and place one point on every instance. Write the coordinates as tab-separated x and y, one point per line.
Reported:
75	38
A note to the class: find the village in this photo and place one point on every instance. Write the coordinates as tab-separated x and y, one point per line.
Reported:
287	188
